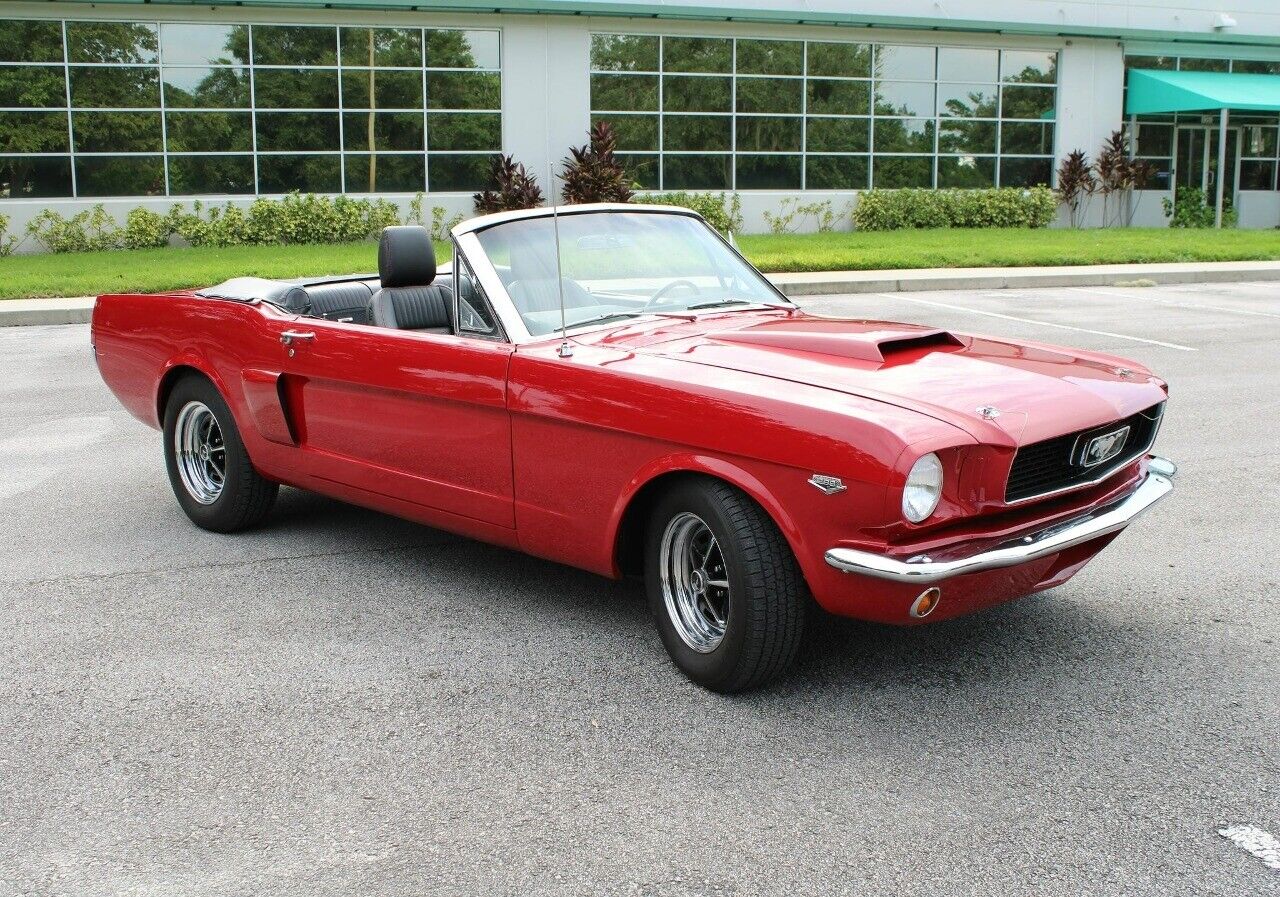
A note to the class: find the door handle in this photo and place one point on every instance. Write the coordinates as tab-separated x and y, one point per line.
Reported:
289	336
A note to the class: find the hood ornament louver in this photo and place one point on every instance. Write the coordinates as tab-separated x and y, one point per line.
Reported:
988	412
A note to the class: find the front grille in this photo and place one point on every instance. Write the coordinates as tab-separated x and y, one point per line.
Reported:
1051	465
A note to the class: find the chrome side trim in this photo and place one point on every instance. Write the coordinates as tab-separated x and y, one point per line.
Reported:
1102	521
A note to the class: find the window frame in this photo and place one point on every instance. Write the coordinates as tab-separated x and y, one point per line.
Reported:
664	158
247	71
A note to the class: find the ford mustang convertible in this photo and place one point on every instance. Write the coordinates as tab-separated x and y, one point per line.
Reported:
614	387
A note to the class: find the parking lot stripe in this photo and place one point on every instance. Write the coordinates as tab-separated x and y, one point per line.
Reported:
995	314
1256	841
1161	301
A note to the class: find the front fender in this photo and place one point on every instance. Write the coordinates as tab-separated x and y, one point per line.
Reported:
734	473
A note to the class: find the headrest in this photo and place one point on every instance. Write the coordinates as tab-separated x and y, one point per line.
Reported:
406	257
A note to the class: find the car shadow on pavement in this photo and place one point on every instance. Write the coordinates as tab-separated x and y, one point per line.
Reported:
1025	644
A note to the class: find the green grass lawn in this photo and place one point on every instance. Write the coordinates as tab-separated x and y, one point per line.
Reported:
152	270
1003	248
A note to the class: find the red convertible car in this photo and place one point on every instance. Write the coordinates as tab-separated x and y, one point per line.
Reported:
616	388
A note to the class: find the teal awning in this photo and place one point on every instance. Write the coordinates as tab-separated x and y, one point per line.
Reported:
1156	92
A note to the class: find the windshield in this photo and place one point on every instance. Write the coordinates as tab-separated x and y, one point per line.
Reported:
616	265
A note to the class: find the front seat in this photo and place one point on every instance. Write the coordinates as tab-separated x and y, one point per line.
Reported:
409	298
533	280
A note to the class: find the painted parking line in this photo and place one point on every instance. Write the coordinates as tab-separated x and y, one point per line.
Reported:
995	314
1095	291
1253	840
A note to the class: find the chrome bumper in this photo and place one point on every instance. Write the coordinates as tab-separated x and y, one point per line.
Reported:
1059	537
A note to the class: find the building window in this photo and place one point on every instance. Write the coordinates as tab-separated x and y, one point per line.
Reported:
748	114
179	109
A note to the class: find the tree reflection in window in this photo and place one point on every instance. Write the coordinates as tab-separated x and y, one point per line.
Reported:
223	92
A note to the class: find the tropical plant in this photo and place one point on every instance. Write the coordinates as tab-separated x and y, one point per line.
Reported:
1118	175
513	188
592	173
1076	184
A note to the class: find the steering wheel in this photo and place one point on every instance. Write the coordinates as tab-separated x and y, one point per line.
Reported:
656	298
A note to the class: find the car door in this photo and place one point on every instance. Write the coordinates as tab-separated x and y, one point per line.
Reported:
414	416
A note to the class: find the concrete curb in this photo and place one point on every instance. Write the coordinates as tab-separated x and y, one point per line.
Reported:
28	312
35	312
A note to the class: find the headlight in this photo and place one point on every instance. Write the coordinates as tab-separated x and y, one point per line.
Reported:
923	489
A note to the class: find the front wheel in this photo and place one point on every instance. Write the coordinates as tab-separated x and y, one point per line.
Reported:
209	469
723	586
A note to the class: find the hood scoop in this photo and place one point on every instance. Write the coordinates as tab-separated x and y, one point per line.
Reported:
871	341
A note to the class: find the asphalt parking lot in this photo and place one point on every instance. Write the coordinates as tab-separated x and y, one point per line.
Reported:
347	704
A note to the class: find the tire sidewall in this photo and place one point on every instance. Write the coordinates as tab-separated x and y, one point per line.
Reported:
221	513
718	667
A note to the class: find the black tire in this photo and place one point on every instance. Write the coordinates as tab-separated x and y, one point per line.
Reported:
767	600
244	498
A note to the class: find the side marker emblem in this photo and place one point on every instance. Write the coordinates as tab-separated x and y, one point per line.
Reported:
827	485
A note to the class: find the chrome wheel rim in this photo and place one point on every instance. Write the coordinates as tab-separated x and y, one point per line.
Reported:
201	452
695	582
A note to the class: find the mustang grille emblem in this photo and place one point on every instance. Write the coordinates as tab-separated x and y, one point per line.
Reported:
1103	448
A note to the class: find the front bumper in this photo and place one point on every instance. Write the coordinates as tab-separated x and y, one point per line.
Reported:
1103	521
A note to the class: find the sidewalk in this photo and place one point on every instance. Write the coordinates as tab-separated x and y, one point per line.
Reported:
825	283
19	312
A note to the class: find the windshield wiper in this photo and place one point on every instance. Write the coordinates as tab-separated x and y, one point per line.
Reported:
719	303
608	317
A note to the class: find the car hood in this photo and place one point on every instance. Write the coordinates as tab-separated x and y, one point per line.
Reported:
998	391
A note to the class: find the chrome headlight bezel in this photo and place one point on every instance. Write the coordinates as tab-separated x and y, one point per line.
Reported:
923	489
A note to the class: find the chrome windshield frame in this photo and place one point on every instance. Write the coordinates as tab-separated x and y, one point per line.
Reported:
467	242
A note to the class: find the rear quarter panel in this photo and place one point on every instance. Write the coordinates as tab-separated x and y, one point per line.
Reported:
138	339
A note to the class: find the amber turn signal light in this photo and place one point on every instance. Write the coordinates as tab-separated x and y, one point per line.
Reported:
925	602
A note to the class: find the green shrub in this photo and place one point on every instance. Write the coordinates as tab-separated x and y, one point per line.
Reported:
924	208
792	213
88	231
442	224
1191	208
296	218
144	229
8	242
722	211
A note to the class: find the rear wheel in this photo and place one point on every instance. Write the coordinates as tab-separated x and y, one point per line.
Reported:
723	586
209	469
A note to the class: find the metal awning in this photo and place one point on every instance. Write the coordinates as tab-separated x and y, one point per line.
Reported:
1152	92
